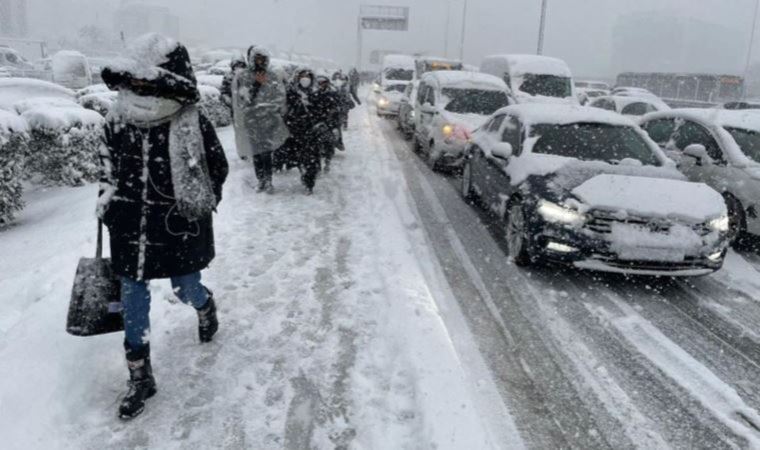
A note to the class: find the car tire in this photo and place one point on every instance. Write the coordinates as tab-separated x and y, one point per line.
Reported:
737	221
517	234
468	193
416	145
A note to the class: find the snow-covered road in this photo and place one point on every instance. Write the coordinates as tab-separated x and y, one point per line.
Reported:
595	361
380	313
330	336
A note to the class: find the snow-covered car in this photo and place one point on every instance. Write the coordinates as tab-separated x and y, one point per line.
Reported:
71	69
14	90
743	105
12	60
720	148
590	84
389	100
630	106
625	91
100	102
588	188
532	78
397	68
405	118
586	95
449	106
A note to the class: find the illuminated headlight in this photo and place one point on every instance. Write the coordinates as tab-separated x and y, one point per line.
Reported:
383	102
553	212
447	130
560	248
411	114
376	87
720	224
716	256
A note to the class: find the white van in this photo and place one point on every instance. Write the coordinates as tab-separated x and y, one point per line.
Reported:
448	108
71	69
397	68
532	78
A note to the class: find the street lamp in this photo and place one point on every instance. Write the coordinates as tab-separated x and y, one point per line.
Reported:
464	30
542	28
749	50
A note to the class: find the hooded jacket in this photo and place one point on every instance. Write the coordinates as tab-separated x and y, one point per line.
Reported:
148	237
258	109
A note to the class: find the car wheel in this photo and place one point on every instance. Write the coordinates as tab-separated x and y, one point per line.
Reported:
417	146
517	235
737	221
468	193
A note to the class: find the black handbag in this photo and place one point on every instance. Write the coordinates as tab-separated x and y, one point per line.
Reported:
95	306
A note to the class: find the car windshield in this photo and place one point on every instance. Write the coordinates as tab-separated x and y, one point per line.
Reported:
547	85
593	142
399	74
395	88
748	141
475	101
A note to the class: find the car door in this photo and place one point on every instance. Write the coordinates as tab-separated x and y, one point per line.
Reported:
428	115
485	141
498	184
689	133
419	101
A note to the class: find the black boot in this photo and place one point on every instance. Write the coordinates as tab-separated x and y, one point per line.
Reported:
142	385
207	321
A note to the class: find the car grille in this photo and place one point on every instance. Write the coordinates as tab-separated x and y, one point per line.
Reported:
690	263
602	223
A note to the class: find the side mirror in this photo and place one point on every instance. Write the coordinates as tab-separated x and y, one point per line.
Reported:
428	108
502	150
698	152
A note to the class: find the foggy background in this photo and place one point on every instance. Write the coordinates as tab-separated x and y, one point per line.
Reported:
597	38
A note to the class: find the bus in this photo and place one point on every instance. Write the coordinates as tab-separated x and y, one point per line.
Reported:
687	89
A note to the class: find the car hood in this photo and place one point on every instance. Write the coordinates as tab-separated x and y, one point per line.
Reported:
650	197
471	121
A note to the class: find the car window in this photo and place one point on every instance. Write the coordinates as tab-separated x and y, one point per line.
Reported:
547	85
511	134
495	124
604	103
408	91
11	58
692	133
473	101
507	79
430	97
638	109
660	130
748	141
421	91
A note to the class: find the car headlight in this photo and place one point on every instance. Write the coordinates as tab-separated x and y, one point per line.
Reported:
720	224
447	130
411	114
383	102
553	212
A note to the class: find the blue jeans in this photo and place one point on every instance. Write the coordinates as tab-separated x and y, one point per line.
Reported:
135	299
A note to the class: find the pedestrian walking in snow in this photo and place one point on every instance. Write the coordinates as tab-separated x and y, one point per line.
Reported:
345	104
163	169
259	104
353	85
236	65
326	101
302	122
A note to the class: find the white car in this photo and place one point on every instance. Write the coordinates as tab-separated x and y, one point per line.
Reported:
633	92
449	107
720	148
388	100
532	78
586	95
15	90
588	188
71	69
595	85
629	106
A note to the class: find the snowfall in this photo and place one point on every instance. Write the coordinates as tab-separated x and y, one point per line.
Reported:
379	313
332	326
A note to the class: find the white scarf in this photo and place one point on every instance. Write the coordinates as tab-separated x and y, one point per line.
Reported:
143	111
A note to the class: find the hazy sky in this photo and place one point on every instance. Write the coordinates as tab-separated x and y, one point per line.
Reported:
580	31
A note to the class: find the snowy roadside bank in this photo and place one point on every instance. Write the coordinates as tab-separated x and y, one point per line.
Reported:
329	332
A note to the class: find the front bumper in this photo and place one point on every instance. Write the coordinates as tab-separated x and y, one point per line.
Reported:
389	109
594	251
450	153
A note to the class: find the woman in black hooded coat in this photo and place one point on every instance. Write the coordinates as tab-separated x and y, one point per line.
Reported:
163	171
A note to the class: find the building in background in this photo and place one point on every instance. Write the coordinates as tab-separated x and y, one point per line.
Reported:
13	18
134	19
666	42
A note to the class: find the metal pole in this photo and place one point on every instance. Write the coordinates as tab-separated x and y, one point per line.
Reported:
542	28
446	32
749	50
359	42
464	31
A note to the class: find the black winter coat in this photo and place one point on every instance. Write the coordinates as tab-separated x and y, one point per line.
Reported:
149	239
301	116
327	107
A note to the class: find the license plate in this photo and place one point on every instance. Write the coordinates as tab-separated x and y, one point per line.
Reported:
651	254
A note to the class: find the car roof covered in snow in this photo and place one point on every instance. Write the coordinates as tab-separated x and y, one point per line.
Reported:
13	90
537	113
522	64
746	119
398	61
621	101
464	80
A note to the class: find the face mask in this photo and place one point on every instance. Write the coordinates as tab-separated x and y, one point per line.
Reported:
144	108
339	83
305	82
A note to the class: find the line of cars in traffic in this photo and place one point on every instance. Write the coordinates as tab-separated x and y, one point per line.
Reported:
621	184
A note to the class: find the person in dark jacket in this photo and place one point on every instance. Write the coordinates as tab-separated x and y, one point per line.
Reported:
340	82
326	102
353	84
303	124
163	171
226	90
